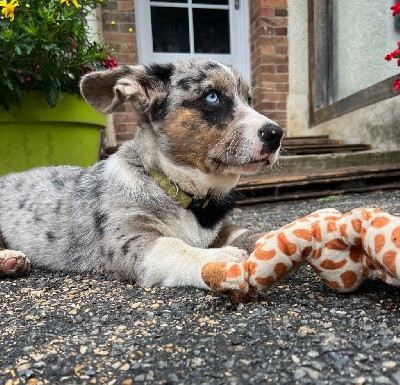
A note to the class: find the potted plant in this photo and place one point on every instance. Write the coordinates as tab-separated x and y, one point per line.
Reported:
45	47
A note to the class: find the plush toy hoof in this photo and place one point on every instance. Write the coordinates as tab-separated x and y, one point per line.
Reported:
227	278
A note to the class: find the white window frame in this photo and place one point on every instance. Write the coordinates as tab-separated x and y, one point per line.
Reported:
239	58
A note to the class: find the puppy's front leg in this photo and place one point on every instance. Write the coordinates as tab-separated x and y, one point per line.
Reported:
172	262
240	237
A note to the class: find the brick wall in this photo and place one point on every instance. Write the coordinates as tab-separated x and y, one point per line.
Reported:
269	60
120	36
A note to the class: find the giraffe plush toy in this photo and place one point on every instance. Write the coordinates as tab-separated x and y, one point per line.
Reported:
343	249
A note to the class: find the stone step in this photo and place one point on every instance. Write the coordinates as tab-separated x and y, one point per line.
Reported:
301	164
305	176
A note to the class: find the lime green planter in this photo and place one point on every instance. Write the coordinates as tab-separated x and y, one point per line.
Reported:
35	135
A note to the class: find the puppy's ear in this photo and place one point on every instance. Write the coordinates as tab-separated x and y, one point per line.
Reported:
107	90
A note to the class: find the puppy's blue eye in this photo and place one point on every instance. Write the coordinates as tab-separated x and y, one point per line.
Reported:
212	98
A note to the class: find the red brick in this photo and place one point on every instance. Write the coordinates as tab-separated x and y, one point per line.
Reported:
277	78
281	12
273	40
281	115
281	106
123	137
281	49
119	37
267	50
126	6
267	106
273	3
283	87
266	12
122	118
282	68
280	31
274	96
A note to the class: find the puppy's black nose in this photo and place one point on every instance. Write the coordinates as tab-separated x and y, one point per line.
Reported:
270	133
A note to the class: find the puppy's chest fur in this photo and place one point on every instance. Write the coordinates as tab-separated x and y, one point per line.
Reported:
186	225
210	215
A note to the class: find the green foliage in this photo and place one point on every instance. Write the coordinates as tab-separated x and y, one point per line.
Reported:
45	45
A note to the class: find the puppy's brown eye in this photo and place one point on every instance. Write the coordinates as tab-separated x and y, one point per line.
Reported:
212	98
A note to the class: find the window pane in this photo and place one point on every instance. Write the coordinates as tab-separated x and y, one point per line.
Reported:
359	49
219	2
170	27
169	1
211	31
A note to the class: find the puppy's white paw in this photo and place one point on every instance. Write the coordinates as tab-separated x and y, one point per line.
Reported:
13	263
229	254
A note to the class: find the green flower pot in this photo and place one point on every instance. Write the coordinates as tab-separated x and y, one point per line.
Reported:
34	134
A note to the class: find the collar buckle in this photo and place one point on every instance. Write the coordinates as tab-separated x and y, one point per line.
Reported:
186	200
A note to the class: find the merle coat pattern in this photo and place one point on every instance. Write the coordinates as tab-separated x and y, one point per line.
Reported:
195	126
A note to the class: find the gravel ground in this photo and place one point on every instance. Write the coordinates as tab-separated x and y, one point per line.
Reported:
64	329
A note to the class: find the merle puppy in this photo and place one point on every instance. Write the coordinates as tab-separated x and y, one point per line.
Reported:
155	212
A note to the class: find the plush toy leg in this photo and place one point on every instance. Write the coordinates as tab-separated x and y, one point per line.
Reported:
343	250
364	243
380	237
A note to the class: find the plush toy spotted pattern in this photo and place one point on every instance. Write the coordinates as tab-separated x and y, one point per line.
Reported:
343	249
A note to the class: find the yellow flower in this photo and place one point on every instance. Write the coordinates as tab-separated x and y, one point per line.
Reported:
130	30
8	8
72	1
112	22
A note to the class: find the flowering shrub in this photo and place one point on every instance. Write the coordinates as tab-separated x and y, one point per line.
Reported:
396	53
44	45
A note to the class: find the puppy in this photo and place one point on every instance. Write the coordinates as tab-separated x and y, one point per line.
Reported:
156	211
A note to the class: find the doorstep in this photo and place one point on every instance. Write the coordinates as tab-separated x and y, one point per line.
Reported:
320	175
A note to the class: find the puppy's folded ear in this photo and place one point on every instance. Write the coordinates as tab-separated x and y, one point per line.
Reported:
107	90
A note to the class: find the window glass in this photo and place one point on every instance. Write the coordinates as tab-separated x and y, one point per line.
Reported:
213	2
169	1
358	49
211	31
170	27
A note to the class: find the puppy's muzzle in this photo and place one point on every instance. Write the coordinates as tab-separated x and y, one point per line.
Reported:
271	136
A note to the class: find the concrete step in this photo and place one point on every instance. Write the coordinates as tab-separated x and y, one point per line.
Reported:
305	176
300	164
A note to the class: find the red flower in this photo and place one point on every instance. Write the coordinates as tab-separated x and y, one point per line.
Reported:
396	85
110	62
396	9
395	53
73	43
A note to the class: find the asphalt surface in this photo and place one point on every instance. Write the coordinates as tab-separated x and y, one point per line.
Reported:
63	329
